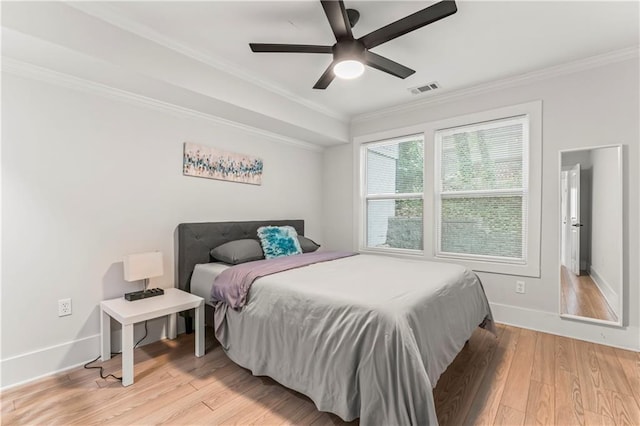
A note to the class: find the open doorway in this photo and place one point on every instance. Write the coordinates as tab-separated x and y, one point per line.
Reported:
585	216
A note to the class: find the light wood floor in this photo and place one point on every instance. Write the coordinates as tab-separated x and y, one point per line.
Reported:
520	377
580	296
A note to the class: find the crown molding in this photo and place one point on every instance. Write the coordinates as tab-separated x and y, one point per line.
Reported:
107	14
27	70
513	81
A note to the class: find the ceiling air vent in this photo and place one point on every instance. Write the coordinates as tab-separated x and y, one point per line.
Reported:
426	88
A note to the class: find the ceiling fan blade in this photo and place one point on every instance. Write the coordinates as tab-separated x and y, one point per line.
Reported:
410	23
326	78
387	65
289	48
338	19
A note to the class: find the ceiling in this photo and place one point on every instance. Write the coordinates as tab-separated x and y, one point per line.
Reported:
484	41
193	58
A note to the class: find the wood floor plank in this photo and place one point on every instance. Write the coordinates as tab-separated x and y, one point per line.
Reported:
569	406
196	414
232	387
42	406
516	390
149	404
114	402
569	409
221	391
283	410
77	401
487	378
116	407
317	418
485	405
37	387
613	375
7	405
630	364
243	403
591	380
625	410
541	404
306	409
544	359
258	405
508	416
202	373
459	365
565	355
594	419
188	366
452	404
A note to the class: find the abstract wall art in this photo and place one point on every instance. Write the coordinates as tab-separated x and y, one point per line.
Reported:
206	162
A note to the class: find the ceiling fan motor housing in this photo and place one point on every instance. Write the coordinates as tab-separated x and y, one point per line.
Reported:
348	49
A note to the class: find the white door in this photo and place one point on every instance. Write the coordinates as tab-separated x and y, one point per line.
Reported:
574	217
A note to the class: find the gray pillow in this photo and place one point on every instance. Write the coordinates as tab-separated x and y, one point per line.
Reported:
307	245
238	251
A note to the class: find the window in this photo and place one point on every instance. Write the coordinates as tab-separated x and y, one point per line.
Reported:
481	191
465	189
394	193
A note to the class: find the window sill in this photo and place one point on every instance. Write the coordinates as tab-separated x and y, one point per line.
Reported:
502	268
393	252
514	269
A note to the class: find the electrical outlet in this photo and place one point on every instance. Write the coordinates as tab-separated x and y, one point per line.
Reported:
520	287
64	307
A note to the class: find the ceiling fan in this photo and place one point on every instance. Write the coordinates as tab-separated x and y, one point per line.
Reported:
349	54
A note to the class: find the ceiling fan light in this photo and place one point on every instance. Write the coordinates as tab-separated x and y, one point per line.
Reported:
348	69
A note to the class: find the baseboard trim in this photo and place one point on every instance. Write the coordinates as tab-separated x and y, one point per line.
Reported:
552	323
607	291
25	368
31	366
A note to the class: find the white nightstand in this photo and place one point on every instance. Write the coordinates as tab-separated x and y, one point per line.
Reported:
129	313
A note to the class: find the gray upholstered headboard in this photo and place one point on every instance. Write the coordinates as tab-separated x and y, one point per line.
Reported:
195	241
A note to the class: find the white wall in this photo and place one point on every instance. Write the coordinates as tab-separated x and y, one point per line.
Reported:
578	111
87	179
605	247
338	198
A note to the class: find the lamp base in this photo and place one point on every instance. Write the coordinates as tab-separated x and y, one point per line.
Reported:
143	294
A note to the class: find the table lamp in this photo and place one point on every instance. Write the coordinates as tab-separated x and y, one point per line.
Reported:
142	266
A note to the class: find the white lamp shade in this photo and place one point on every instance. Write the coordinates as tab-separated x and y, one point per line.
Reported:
142	265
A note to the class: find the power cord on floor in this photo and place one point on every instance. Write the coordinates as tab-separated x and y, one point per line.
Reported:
98	367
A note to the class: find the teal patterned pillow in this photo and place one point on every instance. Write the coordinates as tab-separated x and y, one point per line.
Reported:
278	241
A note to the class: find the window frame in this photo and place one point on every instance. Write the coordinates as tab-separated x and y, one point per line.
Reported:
439	195
365	197
533	110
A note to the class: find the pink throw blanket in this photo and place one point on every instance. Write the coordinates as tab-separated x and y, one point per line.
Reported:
233	284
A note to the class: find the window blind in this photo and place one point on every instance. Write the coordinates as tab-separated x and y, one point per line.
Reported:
481	190
394	193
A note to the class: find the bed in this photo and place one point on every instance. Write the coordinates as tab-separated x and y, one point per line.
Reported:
363	336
